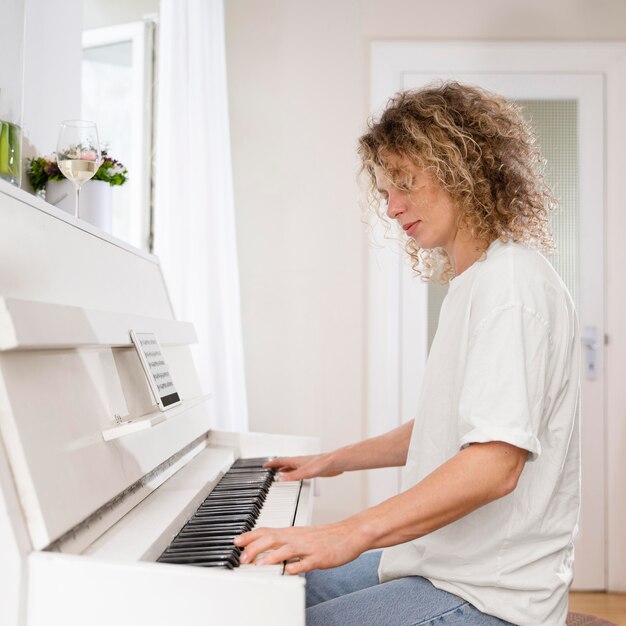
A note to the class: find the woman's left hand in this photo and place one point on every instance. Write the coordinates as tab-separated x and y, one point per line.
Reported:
316	547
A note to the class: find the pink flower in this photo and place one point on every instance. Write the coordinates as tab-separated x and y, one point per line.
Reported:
88	155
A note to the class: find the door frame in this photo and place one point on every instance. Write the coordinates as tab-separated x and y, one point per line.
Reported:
390	399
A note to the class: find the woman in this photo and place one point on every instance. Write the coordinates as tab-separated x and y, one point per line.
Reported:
482	531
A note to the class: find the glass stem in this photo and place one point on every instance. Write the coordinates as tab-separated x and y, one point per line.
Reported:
77	200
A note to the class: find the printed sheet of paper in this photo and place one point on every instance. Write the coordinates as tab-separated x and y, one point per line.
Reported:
156	369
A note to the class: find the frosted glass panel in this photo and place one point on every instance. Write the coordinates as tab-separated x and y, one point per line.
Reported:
556	124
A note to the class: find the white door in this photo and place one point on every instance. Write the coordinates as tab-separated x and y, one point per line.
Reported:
568	113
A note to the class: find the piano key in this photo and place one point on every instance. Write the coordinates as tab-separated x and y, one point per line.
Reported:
220	551
230	498
223	509
221	517
240	486
236	493
204	542
255	462
280	505
226	561
243	478
213	532
226	548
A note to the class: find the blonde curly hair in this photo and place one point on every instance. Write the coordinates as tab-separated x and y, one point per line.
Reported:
482	151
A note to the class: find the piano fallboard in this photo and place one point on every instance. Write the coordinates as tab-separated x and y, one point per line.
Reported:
71	590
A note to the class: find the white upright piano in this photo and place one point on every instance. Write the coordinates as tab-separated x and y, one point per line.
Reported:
95	481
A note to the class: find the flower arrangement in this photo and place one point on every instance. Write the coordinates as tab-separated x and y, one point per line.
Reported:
42	169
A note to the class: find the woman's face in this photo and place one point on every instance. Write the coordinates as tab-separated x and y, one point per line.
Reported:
425	210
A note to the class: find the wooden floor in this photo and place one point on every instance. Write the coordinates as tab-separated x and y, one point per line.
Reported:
609	606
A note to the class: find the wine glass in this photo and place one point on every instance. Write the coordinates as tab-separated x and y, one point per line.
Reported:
78	153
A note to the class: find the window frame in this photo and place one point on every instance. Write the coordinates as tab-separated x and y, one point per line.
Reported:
141	35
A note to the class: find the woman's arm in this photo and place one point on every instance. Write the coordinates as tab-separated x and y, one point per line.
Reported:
388	450
475	476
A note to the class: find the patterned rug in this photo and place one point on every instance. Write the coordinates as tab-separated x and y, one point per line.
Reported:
578	619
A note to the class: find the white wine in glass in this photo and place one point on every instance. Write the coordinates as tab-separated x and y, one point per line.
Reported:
78	153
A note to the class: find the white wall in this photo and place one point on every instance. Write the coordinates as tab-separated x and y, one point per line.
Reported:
11	60
52	55
298	90
39	69
296	80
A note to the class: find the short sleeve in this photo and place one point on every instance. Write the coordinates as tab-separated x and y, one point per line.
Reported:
502	396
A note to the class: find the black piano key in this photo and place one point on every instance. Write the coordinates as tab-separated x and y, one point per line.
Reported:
214	531
233	491
233	486
223	525
230	484
221	563
223	550
213	542
207	514
222	509
243	497
208	526
216	519
228	500
239	473
202	561
232	501
206	554
232	525
201	533
257	461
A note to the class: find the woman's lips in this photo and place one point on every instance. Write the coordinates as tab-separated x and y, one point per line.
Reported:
409	228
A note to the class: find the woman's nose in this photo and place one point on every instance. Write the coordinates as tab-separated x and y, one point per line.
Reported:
395	206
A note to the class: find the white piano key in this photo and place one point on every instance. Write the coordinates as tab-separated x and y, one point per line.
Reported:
279	511
280	505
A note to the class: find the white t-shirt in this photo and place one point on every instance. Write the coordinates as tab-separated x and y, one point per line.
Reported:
504	366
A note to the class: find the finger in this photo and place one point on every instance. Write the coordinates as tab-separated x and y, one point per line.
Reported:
299	567
285	469
284	553
295	474
299	473
278	462
262	544
245	538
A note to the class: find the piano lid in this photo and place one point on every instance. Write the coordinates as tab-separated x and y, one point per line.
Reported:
48	255
69	294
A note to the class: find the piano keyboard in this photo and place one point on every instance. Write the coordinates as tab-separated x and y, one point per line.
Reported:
246	497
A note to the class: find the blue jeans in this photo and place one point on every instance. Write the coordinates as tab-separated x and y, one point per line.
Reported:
351	595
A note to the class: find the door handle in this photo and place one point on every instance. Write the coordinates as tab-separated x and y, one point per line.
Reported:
590	342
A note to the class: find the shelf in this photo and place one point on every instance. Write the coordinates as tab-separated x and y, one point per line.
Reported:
149	420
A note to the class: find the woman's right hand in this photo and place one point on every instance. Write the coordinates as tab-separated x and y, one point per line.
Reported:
301	467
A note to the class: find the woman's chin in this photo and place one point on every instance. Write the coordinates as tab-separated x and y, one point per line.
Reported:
423	243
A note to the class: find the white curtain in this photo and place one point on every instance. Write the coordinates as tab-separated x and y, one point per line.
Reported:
194	221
